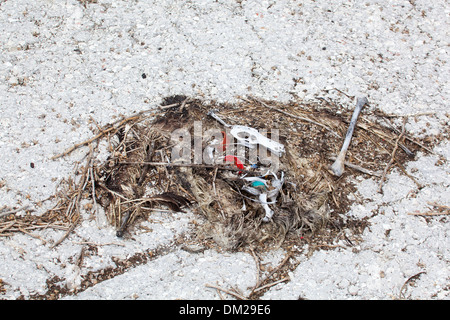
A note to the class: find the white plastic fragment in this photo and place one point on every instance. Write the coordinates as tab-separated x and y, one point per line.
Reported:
250	138
269	212
278	184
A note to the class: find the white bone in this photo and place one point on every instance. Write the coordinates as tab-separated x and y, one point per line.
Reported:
338	166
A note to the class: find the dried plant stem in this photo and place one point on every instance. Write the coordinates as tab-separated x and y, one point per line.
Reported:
193	165
215	194
7	226
72	213
286	259
258	269
32	235
419	114
271	284
361	169
101	134
258	286
402	168
72	227
109	128
387	137
403	288
101	244
114	193
296	117
440	206
386	169
431	213
237	295
330	187
442	210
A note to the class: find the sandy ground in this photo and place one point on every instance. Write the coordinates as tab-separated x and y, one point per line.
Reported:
63	62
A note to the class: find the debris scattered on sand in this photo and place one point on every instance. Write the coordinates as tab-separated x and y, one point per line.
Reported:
261	182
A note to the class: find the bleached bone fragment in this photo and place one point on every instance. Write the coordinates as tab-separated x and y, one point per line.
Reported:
338	166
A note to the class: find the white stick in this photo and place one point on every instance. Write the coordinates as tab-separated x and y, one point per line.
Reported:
338	166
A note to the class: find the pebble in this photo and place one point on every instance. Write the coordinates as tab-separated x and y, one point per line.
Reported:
353	290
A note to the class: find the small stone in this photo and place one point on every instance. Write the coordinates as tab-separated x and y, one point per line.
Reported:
353	290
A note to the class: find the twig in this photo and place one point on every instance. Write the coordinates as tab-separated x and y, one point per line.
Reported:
271	284
286	259
419	114
411	139
442	210
77	145
91	173
325	245
72	227
96	124
345	94
404	148
101	244
258	286
431	213
79	260
382	134
434	204
32	235
392	156
402	168
7	213
168	106
402	294
258	269
114	193
74	205
237	295
193	165
8	225
356	167
83	182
